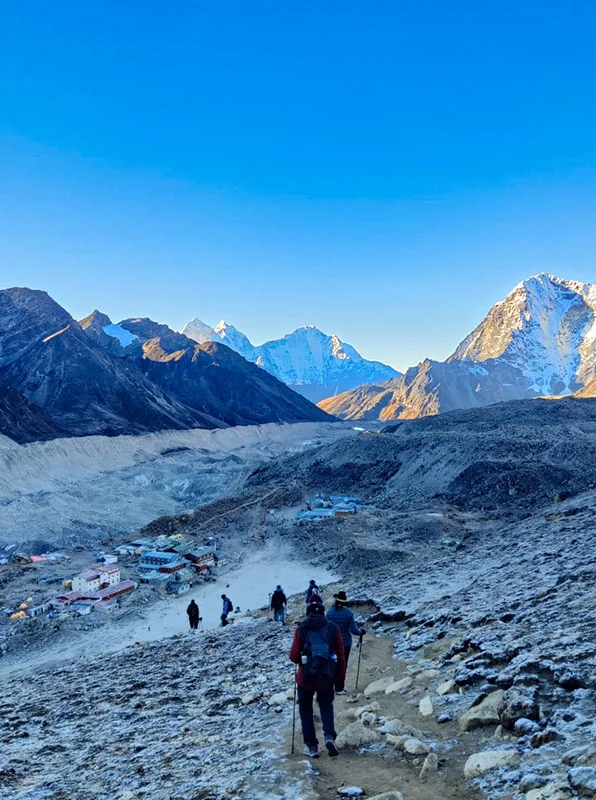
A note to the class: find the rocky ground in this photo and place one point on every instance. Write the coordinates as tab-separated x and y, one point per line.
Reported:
479	596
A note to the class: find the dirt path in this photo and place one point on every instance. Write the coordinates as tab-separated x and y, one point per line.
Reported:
379	768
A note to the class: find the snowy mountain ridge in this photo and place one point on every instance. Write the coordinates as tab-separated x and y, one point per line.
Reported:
545	327
540	340
313	363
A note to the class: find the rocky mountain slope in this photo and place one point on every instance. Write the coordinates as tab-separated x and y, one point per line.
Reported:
540	340
473	566
95	377
308	360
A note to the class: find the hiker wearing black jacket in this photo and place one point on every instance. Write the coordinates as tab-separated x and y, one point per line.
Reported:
278	604
318	651
227	608
193	615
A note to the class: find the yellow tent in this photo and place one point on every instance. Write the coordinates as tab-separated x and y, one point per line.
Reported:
18	615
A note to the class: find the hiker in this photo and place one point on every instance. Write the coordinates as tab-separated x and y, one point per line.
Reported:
278	604
319	652
227	608
313	593
344	619
193	615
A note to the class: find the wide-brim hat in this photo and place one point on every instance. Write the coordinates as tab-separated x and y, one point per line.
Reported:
341	597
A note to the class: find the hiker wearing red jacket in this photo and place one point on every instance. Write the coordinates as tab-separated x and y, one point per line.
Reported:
319	652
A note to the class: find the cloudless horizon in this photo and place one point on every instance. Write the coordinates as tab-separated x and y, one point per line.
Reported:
385	173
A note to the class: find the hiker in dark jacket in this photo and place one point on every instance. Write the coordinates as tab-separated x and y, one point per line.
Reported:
193	615
227	608
278	604
316	632
313	593
344	619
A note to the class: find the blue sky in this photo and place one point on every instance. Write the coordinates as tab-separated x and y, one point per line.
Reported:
385	171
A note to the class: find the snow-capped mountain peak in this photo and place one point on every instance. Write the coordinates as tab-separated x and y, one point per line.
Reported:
312	362
546	328
199	331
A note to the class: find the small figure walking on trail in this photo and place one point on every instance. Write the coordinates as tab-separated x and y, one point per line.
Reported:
313	593
344	619
193	615
227	608
278	604
318	651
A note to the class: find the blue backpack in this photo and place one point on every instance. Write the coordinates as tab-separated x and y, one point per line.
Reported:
318	649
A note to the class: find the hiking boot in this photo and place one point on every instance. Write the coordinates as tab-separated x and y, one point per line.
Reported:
331	746
311	752
342	691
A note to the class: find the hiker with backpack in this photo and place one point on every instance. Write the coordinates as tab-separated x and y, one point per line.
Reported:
341	615
278	604
227	608
318	651
193	615
313	593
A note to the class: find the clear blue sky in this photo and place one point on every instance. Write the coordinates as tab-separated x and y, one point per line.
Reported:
383	170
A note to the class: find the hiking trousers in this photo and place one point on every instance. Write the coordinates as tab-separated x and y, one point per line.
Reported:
305	705
279	614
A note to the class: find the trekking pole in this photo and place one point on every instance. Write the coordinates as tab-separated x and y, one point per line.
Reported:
359	658
269	608
294	710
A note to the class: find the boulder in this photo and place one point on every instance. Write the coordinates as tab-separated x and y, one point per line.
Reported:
427	675
415	747
583	780
378	686
517	704
357	734
399	686
557	790
249	697
350	791
425	707
479	764
485	713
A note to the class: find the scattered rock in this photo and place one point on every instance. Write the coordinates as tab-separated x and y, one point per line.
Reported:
399	686
415	747
388	796
444	717
485	713
430	766
517	704
378	686
425	707
350	791
357	734
447	687
479	764
557	790
525	726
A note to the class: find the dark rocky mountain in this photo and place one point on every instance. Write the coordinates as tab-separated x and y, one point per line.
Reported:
216	380
86	381
23	421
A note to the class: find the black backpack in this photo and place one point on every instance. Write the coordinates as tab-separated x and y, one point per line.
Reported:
230	606
318	648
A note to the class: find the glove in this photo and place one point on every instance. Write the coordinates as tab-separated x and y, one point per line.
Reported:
362	631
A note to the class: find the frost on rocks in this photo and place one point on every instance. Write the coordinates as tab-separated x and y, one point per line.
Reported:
133	722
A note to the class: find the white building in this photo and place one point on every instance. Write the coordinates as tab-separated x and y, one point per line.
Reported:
91	580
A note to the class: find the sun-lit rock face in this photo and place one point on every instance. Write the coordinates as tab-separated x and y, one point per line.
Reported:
540	340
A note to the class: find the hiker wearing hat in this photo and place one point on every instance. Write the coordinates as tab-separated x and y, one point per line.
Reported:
341	615
318	651
278	604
